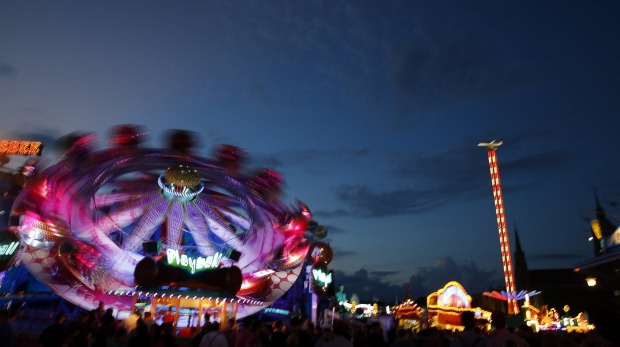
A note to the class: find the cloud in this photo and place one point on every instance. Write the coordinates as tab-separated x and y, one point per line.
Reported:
332	229
366	286
441	60
423	282
435	63
420	181
363	201
460	166
475	280
537	163
458	169
427	180
339	212
383	273
342	253
272	161
313	158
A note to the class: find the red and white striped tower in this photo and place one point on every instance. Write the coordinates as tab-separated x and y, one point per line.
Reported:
504	241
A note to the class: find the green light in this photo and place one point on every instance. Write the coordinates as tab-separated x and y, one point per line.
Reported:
8	249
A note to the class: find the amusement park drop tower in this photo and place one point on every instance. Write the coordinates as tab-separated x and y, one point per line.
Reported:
504	241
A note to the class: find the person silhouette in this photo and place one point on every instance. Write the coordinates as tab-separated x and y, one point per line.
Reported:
55	334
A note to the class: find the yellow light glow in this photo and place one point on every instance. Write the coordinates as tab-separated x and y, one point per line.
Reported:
21	147
596	228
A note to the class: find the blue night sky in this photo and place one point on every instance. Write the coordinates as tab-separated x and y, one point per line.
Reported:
371	110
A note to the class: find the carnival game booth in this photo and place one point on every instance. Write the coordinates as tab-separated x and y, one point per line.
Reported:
446	305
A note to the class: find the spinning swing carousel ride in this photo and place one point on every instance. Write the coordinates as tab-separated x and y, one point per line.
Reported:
129	225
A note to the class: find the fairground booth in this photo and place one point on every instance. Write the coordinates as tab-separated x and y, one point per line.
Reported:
182	290
446	305
408	315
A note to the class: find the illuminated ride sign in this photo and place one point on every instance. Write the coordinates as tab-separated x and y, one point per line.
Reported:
192	264
9	248
21	147
321	278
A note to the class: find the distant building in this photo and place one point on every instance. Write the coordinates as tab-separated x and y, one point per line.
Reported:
569	288
605	265
562	287
603	270
523	274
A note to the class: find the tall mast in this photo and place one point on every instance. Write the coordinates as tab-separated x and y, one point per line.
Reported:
504	240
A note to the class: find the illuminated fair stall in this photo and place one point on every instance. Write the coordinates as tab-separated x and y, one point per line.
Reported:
544	319
360	310
446	305
408	315
353	308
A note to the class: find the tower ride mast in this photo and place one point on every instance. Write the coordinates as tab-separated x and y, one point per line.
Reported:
504	241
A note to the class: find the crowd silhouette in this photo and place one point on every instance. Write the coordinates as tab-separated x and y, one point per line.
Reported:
99	328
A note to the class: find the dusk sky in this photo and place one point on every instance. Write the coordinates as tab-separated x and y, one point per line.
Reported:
371	110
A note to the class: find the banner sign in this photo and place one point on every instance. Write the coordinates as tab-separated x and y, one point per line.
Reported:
21	147
192	264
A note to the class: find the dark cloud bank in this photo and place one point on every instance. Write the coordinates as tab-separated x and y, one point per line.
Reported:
372	284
